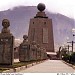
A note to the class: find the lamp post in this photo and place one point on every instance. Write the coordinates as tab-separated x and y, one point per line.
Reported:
73	31
72	42
73	34
67	47
60	52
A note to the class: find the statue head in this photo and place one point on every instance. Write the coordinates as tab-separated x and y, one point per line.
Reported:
25	37
5	23
38	45
33	43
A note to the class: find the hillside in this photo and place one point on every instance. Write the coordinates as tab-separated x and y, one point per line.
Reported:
20	16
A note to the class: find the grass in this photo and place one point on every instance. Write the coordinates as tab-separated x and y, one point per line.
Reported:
19	64
15	65
3	69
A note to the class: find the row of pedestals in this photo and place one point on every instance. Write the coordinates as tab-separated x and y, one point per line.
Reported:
33	51
27	51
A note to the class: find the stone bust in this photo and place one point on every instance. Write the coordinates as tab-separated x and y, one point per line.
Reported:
25	37
25	40
38	46
34	44
5	24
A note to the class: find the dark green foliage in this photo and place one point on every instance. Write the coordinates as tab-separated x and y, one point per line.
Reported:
66	57
73	57
69	58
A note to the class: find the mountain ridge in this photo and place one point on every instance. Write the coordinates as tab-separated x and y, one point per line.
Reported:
19	18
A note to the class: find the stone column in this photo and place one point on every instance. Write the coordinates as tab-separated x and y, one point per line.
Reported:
6	44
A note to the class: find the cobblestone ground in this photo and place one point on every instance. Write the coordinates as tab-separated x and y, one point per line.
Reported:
50	66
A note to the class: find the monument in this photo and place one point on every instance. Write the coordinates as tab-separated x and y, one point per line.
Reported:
41	30
24	50
6	44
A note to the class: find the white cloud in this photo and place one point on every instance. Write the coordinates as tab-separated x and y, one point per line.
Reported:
17	42
66	7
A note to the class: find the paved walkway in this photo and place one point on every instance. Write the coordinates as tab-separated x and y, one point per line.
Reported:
49	66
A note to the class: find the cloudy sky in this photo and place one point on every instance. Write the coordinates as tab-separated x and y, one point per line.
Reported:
65	7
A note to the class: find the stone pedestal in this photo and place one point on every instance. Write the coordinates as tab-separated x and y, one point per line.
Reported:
33	51
42	54
38	52
45	54
24	50
6	44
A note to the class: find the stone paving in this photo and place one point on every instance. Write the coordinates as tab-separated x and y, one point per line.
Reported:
50	66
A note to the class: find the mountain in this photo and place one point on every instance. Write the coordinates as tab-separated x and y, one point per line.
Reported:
19	18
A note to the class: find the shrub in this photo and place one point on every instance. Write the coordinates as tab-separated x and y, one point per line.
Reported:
66	57
69	58
72	58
